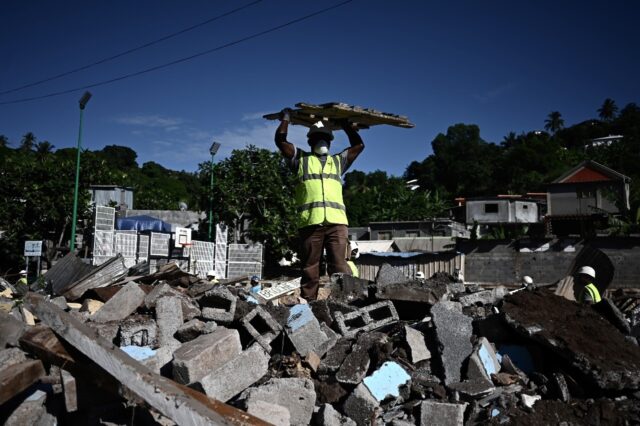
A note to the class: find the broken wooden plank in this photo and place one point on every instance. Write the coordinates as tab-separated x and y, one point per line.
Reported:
70	389
161	393
332	112
19	377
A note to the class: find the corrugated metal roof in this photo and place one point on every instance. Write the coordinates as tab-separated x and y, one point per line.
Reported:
66	271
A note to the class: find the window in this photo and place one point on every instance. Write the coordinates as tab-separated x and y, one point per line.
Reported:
491	208
384	235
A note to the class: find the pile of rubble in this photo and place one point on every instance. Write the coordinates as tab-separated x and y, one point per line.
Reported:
168	348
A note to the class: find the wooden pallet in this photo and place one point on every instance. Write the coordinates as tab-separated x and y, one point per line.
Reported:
332	112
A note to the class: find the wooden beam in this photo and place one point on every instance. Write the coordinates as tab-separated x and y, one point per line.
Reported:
159	392
18	377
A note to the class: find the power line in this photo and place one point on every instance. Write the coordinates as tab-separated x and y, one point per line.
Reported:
135	49
177	61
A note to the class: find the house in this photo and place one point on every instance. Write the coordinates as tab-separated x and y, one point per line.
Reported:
107	195
441	227
584	197
503	209
605	141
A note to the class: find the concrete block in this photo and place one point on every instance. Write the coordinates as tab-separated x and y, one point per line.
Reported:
108	330
413	292
90	305
32	412
138	330
433	413
297	395
417	345
261	326
70	389
332	338
329	416
157	291
336	356
453	331
195	359
218	304
303	329
120	306
386	381
274	414
366	319
484	297
360	406
190	330
11	329
11	356
231	378
190	308
169	319
60	302
390	275
356	364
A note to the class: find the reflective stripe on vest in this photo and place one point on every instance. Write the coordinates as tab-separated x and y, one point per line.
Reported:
593	292
319	191
354	269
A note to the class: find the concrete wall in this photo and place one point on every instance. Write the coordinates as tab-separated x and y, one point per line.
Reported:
506	262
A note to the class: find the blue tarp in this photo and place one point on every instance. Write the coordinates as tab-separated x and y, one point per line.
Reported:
142	223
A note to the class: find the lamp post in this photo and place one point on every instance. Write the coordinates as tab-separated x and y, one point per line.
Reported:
83	103
214	148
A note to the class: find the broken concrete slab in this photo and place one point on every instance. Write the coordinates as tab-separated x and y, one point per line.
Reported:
386	381
417	346
191	329
349	288
388	274
484	297
195	359
569	331
413	291
261	326
234	376
329	416
169	319
332	338
303	330
11	356
274	414
453	331
120	306
138	330
180	404
434	413
60	302
335	356
356	364
297	395
108	330
361	406
366	319
32	412
11	329
218	304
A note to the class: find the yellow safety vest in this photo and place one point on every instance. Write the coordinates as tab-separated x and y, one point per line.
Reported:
592	290
319	191
354	269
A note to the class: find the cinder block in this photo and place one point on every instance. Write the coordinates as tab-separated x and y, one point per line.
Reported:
367	318
108	330
303	329
190	308
195	359
261	326
169	319
433	413
386	381
453	331
356	364
360	405
120	306
190	330
484	297
297	395
417	346
274	414
231	378
218	304
138	330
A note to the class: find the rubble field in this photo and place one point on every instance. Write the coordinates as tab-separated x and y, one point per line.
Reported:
121	347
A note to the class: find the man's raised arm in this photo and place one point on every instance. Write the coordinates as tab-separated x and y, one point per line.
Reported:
287	148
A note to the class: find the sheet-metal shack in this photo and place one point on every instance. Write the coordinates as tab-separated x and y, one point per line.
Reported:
410	263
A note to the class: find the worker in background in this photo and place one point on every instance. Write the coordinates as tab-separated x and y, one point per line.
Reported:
211	277
586	291
23	278
255	284
419	275
527	281
322	217
353	246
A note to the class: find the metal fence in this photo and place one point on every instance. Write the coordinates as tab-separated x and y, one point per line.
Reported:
244	259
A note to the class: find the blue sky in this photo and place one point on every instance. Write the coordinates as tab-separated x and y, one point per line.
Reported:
503	65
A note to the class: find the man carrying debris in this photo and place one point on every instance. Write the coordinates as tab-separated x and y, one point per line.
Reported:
586	291
322	219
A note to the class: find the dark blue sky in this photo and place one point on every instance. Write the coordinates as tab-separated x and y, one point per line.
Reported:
503	65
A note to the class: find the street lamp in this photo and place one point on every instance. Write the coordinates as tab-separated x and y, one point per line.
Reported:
214	148
83	103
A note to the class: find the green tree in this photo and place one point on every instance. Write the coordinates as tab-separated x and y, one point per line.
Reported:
4	141
554	122
608	110
120	157
28	142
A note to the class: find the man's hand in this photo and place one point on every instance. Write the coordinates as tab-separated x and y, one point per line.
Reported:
345	124
285	114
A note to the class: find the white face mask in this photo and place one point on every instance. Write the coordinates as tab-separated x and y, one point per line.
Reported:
321	147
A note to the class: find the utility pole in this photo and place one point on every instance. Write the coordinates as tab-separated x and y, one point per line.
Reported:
214	148
83	103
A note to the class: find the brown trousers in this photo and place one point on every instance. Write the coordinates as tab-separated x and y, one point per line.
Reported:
333	238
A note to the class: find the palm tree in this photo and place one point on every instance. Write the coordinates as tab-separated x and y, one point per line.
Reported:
4	141
554	122
608	110
44	147
28	141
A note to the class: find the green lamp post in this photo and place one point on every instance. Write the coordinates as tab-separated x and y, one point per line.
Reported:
83	103
214	148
